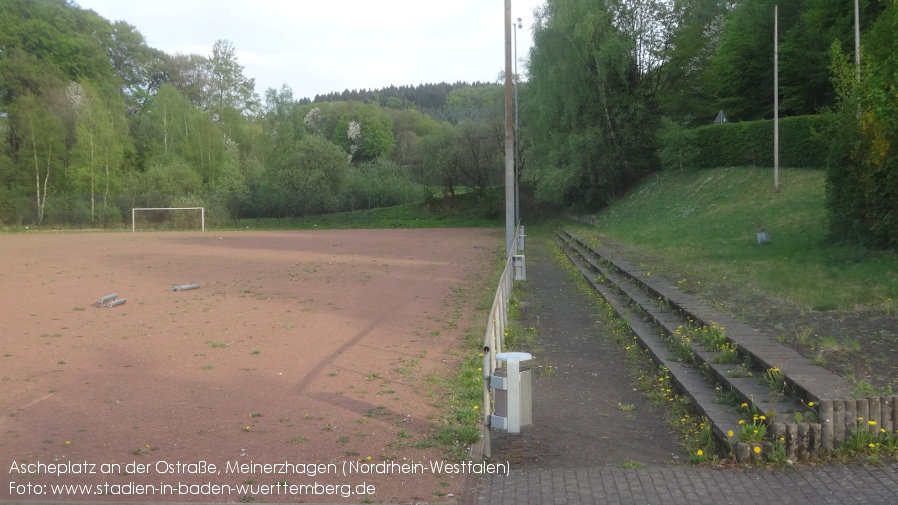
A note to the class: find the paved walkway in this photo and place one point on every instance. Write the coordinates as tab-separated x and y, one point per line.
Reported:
568	478
686	485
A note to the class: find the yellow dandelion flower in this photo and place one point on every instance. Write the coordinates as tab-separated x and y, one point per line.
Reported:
741	422
730	433
368	458
699	453
860	419
757	449
871	445
744	405
810	404
68	442
871	422
247	428
476	407
762	417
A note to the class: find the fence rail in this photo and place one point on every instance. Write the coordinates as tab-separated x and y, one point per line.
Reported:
494	337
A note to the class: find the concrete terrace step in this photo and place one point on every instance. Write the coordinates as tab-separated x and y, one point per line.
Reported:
764	351
662	309
685	378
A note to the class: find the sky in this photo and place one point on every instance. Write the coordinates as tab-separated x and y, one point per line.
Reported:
320	46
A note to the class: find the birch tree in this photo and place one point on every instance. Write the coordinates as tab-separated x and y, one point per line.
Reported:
41	136
99	148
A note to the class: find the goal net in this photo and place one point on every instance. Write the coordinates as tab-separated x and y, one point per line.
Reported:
168	218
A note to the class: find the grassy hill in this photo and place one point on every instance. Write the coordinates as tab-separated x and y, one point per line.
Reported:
701	226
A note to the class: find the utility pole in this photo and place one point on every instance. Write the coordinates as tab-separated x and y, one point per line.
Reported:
509	138
517	140
857	39
776	102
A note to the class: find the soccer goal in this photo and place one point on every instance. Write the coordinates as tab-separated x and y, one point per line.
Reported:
168	218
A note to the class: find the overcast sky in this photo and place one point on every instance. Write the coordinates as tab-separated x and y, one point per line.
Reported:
319	46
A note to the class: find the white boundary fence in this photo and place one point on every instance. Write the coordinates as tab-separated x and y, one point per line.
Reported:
201	209
494	338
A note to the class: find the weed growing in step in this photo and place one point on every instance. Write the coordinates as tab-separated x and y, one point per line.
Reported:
775	379
753	432
870	442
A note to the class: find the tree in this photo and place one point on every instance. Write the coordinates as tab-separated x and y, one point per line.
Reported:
139	68
167	179
741	72
804	51
313	175
365	131
862	173
409	126
480	153
41	136
684	91
476	103
58	33
440	158
100	145
189	74
676	145
229	88
591	111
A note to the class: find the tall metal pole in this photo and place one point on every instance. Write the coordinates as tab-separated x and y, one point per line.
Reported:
776	102
509	137
857	39
517	140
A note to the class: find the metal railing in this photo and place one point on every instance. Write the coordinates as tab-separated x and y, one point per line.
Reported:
494	337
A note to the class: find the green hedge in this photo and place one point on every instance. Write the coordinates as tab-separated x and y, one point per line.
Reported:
803	143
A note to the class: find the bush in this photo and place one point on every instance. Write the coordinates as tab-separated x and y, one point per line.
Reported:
803	143
380	183
862	174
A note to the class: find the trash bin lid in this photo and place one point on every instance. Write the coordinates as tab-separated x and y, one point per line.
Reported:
520	356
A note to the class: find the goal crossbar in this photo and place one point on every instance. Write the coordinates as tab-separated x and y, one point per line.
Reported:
201	209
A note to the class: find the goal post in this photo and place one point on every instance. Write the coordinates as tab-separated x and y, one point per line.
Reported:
135	210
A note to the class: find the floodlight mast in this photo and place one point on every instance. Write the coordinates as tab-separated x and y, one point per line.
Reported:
509	139
517	142
776	101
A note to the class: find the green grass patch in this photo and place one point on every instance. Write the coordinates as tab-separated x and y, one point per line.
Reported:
459	424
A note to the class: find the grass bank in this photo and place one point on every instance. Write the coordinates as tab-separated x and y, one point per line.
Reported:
701	226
